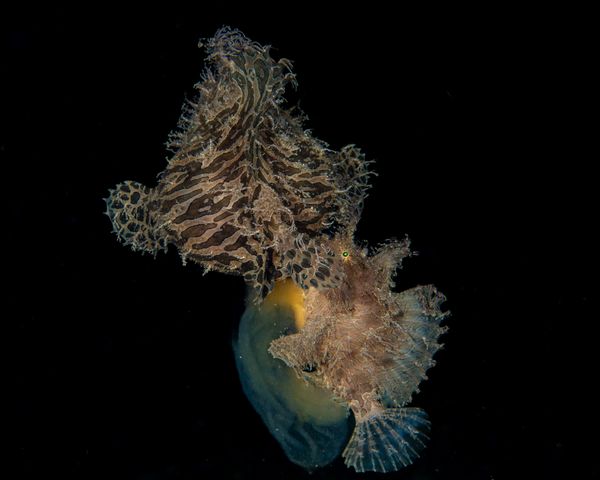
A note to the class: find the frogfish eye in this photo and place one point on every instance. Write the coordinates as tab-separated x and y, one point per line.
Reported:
345	253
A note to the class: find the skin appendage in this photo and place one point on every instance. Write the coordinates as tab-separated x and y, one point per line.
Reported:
248	191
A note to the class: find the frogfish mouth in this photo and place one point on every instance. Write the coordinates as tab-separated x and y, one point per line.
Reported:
328	353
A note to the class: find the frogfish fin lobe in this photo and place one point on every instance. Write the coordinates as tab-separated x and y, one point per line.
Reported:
127	206
388	440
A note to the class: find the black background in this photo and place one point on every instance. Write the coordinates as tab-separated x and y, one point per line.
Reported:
120	366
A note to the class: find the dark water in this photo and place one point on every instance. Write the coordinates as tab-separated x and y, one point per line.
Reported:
120	366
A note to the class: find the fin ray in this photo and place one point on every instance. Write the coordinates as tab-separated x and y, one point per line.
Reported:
419	330
387	441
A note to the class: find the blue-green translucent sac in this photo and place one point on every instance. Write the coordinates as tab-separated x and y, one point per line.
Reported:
311	427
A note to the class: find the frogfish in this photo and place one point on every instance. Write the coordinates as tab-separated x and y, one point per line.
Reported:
328	353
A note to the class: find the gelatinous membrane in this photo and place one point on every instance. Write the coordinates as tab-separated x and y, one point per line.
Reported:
309	424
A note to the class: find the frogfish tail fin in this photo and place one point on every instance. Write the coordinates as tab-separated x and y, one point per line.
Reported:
127	206
387	441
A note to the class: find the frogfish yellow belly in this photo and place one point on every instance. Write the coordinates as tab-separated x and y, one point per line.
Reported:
327	352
